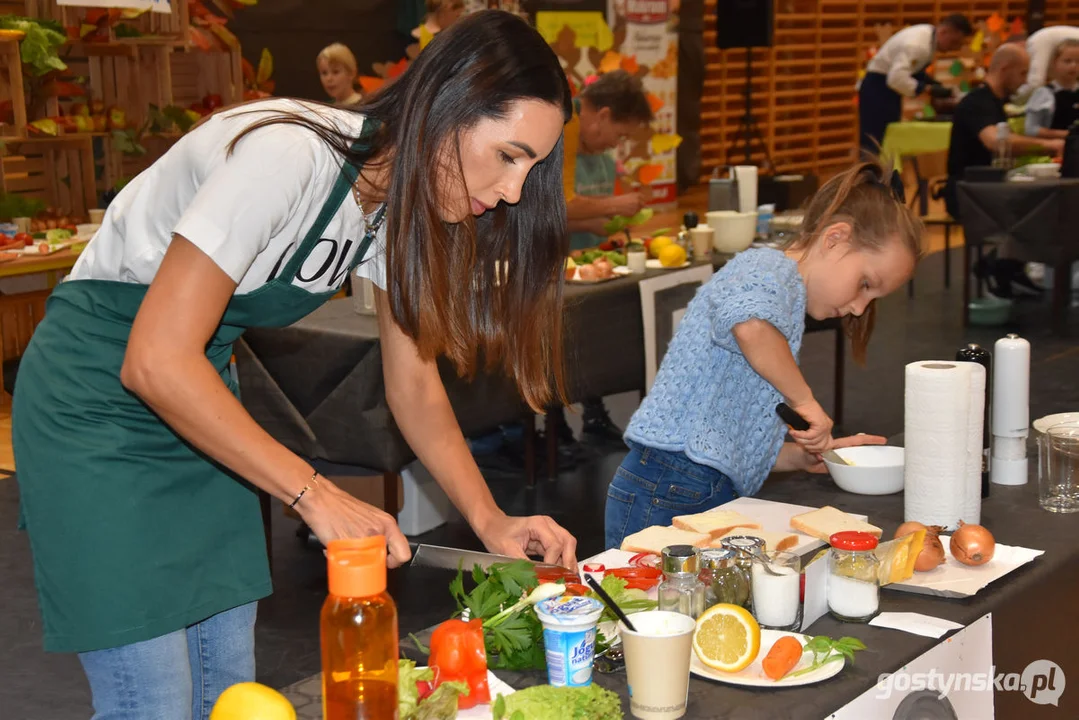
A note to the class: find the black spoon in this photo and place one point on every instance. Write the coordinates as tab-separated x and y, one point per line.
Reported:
609	602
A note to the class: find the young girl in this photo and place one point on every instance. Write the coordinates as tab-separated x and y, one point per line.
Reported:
1053	108
708	432
337	71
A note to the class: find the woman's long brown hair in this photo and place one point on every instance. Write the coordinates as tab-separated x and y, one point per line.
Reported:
442	284
861	196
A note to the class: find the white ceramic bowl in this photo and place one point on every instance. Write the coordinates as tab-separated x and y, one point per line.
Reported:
1043	170
735	231
877	470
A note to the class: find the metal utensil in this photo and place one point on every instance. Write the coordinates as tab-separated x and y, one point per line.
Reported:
834	457
611	661
436	556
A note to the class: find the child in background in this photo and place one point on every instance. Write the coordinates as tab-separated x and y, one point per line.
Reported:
707	432
1054	107
337	71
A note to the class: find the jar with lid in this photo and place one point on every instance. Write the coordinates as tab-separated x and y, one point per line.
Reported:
724	580
745	549
853	584
681	590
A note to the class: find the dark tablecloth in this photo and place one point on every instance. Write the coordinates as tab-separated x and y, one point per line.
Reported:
1037	221
1033	610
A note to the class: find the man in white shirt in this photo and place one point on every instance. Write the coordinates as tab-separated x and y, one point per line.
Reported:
1040	46
898	69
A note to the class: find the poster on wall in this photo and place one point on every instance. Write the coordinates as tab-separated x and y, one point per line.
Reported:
639	37
651	42
157	6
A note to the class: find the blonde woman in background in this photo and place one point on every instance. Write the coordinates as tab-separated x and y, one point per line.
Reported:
440	15
337	71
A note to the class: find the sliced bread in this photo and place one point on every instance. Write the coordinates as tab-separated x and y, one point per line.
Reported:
827	521
654	539
773	541
714	522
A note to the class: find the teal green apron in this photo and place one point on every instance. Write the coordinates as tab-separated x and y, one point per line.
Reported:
594	176
135	533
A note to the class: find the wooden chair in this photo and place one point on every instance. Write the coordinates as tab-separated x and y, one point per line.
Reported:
19	315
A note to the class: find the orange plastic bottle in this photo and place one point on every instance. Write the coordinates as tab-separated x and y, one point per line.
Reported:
359	634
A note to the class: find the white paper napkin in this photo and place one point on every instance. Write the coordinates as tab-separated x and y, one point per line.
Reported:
915	623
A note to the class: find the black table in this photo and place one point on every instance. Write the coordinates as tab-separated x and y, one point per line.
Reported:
1033	611
1034	221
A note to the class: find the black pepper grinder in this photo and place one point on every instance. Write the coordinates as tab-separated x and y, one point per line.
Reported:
977	354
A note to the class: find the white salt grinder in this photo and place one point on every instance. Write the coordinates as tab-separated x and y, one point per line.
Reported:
1011	410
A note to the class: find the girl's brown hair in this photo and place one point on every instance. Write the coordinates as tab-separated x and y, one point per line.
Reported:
1063	45
863	197
487	287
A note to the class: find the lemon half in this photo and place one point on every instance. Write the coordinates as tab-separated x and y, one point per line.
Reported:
727	638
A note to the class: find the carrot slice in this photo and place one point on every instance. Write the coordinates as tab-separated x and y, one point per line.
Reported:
783	656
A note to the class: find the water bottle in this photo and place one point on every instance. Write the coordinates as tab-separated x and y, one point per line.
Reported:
1003	157
358	633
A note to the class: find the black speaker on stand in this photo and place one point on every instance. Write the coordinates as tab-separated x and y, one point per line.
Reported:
746	24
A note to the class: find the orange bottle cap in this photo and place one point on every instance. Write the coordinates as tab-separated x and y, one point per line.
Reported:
357	567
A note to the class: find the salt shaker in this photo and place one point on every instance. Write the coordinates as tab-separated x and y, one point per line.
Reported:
681	590
853	584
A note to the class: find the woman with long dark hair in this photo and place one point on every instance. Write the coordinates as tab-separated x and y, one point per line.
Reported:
137	463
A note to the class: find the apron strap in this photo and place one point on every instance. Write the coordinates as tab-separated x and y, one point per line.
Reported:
342	188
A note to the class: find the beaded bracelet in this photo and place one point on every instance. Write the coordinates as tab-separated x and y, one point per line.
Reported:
313	483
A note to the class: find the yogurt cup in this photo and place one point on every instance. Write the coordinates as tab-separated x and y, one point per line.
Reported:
569	638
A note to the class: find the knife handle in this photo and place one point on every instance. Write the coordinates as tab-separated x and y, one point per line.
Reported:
791	417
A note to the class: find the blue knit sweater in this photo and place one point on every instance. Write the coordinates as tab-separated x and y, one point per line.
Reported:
707	401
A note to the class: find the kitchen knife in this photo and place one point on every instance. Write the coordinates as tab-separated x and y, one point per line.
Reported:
790	416
436	556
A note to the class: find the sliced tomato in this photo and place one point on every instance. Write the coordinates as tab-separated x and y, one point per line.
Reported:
424	688
553	575
636	572
641	583
576	589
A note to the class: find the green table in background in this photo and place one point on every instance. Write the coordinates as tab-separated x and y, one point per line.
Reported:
911	139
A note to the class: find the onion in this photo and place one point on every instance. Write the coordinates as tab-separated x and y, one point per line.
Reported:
932	553
972	544
908	527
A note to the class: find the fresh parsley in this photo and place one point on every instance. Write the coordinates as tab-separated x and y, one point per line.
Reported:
826	650
516	643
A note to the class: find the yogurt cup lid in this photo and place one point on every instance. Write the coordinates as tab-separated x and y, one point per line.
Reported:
569	610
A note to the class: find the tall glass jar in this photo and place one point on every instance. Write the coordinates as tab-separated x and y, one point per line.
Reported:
853	584
724	580
681	590
745	549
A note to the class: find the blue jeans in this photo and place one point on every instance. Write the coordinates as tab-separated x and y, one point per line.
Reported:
176	676
651	487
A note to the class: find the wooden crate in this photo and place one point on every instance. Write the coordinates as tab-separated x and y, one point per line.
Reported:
172	26
117	166
19	315
11	89
59	171
196	74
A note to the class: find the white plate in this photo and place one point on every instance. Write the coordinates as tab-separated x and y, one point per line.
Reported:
483	712
655	264
753	676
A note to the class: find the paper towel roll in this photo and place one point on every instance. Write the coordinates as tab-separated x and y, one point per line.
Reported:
746	175
943	438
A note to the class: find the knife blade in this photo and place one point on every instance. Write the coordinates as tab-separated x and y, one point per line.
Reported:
437	556
791	416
